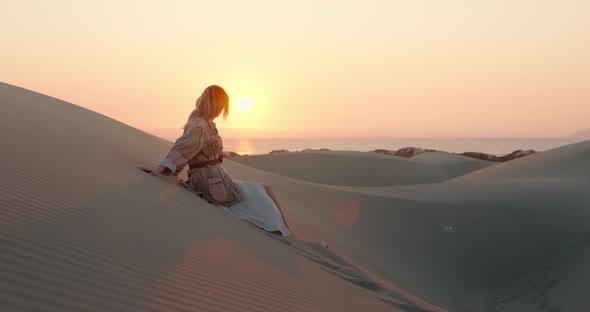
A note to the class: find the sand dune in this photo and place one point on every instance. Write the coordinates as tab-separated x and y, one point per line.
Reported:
472	244
365	169
82	229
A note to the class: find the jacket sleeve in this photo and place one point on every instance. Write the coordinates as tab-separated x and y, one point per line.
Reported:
184	149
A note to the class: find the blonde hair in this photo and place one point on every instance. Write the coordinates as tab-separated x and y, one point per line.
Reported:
212	102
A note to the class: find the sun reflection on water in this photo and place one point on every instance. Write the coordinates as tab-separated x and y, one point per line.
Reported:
244	147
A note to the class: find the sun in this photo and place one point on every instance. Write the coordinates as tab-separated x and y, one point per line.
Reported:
245	104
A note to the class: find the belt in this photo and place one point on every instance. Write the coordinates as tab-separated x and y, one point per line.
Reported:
195	164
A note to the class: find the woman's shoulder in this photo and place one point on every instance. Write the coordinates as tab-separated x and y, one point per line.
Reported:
200	124
197	122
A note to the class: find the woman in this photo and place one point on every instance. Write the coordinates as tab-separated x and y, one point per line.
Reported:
200	147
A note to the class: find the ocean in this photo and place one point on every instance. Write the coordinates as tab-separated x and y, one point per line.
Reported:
496	146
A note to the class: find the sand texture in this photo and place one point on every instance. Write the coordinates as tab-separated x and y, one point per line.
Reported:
81	229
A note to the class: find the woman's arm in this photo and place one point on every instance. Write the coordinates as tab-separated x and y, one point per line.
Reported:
183	150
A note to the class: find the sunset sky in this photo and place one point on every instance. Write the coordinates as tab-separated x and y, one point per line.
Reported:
311	68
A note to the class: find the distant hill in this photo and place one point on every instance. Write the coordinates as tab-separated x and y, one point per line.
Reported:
581	134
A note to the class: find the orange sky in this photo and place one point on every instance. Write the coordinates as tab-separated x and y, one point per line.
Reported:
313	68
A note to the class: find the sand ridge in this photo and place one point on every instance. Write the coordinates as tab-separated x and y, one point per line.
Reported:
364	169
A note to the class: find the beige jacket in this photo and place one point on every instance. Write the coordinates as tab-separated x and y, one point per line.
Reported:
201	142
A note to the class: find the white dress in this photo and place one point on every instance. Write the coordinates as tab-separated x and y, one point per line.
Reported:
258	208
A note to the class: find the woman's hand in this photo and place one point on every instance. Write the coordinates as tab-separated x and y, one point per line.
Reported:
158	171
155	172
145	169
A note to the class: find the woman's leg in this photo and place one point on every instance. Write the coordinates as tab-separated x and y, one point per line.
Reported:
271	193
